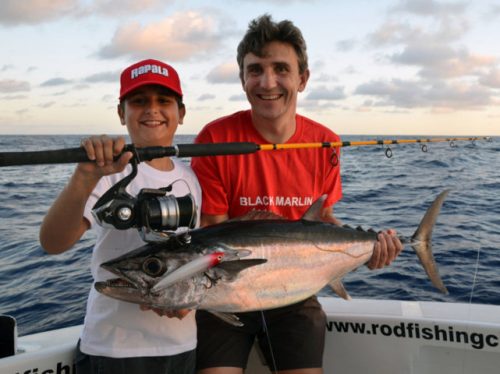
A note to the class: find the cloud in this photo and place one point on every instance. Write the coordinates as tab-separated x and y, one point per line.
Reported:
224	73
10	86
106	77
419	94
440	31
391	32
46	105
346	45
205	97
55	82
322	77
16	12
112	8
279	2
14	97
492	79
21	112
240	97
441	61
430	37
430	7
324	93
494	10
177	38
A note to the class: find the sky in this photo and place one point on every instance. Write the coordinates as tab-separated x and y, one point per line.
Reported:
385	67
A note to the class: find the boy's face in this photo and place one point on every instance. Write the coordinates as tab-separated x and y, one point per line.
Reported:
272	82
151	115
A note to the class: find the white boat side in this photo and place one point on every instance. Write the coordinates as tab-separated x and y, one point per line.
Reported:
375	336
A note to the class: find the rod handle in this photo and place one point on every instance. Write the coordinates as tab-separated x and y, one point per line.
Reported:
73	155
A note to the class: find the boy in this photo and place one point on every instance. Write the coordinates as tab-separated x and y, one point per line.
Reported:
117	336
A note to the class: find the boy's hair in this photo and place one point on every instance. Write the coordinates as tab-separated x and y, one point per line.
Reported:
264	30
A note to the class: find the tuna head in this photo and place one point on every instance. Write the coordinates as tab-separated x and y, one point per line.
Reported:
164	276
141	269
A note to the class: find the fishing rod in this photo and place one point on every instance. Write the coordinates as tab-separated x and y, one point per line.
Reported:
74	155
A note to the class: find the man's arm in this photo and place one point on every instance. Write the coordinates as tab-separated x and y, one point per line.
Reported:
386	249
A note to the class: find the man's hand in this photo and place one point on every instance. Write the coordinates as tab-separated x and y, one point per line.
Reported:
386	249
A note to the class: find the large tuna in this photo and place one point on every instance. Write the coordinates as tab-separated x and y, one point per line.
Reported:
242	266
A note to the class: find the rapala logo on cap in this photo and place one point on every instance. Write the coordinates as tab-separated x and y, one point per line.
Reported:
144	69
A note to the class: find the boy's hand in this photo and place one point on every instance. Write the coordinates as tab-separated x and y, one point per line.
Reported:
179	314
102	149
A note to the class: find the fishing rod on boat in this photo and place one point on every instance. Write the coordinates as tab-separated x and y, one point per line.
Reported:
74	155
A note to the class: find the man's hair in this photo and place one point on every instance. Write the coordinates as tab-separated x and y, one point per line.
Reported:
264	30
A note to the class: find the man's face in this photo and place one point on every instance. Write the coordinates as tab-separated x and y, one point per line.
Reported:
273	81
151	116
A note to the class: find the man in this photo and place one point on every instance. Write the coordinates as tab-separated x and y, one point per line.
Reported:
273	69
118	337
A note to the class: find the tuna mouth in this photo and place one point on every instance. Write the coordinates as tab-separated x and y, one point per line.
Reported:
115	283
118	282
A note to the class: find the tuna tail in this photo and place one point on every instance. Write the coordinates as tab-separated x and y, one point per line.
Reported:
421	242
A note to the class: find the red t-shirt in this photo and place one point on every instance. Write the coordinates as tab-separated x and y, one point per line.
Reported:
286	182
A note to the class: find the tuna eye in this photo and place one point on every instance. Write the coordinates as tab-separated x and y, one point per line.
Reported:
153	266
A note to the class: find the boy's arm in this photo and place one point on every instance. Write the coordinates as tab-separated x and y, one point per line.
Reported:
64	223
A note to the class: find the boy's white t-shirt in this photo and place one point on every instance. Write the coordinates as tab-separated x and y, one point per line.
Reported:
114	328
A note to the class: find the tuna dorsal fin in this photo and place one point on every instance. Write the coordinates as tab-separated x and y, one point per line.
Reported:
314	211
229	270
339	289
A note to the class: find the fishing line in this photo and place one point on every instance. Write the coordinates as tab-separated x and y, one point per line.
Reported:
475	276
476	270
268	337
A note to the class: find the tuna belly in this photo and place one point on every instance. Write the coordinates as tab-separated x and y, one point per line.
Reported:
292	273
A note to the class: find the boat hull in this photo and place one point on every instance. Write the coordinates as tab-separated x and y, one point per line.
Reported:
376	336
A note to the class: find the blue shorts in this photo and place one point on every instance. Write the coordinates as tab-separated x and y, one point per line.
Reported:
182	363
295	337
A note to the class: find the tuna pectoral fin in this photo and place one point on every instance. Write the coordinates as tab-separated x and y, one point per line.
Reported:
229	270
421	242
232	319
339	289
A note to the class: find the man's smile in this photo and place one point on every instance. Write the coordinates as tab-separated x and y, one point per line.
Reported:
270	97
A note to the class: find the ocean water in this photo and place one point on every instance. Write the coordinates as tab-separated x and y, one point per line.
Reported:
45	292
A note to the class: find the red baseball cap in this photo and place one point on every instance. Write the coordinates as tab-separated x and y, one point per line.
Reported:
149	72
